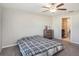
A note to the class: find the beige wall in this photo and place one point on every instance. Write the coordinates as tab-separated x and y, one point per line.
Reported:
17	24
75	28
74	20
56	25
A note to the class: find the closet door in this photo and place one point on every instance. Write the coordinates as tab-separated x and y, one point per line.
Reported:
0	32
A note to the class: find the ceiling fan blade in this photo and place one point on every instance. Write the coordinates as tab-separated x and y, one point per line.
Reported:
45	11
60	5
62	9
52	3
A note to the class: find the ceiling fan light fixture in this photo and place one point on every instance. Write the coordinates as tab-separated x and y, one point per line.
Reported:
53	7
52	10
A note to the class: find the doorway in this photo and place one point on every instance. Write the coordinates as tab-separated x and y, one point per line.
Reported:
66	31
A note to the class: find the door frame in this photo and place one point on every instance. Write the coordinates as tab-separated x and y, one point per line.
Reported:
0	30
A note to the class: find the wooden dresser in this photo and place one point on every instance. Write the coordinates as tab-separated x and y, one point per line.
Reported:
49	34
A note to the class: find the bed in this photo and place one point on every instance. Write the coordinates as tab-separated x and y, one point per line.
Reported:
38	46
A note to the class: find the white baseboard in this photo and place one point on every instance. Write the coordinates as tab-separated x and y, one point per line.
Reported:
75	42
16	44
8	45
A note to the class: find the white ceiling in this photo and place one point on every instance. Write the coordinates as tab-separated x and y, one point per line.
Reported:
36	7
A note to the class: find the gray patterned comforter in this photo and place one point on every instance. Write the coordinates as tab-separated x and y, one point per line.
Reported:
30	46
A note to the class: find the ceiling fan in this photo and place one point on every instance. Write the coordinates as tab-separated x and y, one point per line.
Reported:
52	7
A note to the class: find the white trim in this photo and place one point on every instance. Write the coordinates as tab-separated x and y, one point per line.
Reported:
16	44
74	42
8	45
0	29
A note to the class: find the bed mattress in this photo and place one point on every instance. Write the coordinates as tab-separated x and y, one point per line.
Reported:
38	46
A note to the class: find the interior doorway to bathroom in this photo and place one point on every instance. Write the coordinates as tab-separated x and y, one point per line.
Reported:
66	30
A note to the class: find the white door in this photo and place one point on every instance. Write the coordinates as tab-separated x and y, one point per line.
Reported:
0	32
0	37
